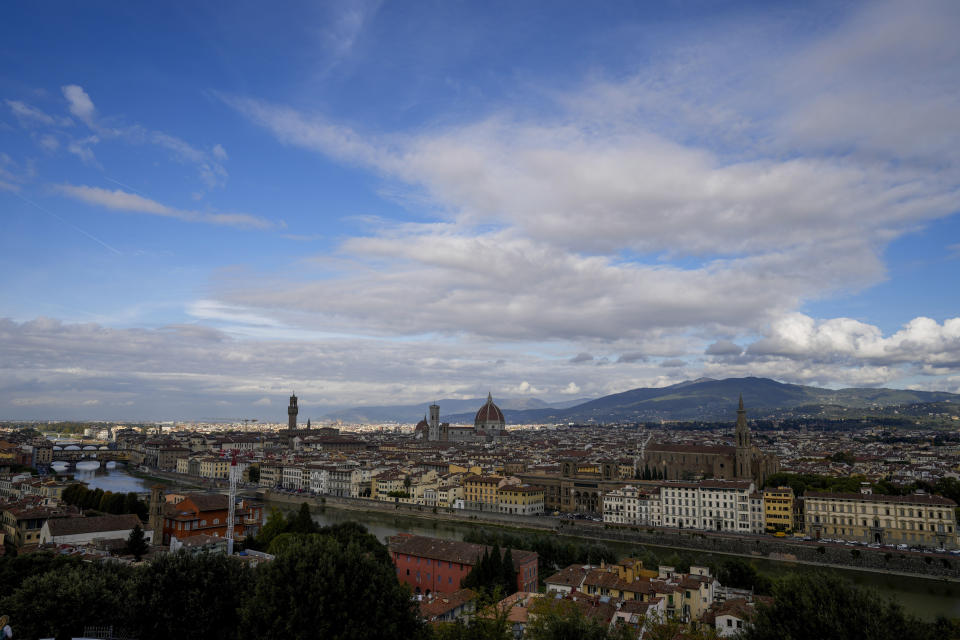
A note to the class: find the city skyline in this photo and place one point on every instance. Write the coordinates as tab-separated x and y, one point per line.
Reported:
376	203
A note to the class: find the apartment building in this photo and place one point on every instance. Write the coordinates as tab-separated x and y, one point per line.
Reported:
521	499
717	505
918	519
778	510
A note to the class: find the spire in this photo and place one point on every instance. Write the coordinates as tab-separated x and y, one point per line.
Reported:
741	403
489	397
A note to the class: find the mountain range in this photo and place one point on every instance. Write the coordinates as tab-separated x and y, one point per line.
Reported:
702	399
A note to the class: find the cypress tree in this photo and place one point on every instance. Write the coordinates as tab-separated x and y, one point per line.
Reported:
509	573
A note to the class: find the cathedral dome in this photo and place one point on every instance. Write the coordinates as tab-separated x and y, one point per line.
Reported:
489	413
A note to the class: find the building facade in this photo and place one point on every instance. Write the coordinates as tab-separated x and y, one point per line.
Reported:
431	565
919	519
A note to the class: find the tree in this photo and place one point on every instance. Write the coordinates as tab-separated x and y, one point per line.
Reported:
275	525
509	575
181	595
491	622
136	543
822	606
742	575
319	588
302	522
565	620
253	473
61	602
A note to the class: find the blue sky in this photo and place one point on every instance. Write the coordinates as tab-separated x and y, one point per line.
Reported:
204	206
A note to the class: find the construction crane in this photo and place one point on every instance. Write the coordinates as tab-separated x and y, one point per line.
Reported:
247	421
641	454
232	501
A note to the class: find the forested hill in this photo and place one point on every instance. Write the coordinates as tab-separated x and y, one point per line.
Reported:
708	399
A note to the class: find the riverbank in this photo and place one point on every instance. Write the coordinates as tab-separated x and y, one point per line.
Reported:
925	597
787	552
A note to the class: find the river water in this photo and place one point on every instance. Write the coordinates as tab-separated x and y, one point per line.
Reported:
926	598
115	479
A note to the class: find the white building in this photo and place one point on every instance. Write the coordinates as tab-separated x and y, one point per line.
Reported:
85	530
716	505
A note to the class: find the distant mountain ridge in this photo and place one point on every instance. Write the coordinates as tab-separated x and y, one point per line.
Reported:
702	399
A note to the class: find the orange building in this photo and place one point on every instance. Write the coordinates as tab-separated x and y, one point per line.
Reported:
207	514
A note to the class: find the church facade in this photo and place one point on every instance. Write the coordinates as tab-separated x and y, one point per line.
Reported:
581	485
742	461
488	425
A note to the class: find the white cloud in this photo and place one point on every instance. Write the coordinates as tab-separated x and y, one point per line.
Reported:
79	102
571	389
49	142
119	200
29	115
82	149
922	341
212	172
262	402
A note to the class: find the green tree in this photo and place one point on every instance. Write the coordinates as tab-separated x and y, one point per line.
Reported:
136	543
253	473
181	595
62	601
302	522
490	622
742	575
318	588
509	574
565	620
821	606
275	525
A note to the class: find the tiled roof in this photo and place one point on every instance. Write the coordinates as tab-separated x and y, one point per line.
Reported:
449	550
441	603
924	498
572	576
79	526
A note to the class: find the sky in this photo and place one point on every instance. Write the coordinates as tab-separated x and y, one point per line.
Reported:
204	206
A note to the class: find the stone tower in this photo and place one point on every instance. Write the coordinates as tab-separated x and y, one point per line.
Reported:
433	425
292	411
744	448
155	520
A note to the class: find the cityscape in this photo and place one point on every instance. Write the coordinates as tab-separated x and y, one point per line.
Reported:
480	321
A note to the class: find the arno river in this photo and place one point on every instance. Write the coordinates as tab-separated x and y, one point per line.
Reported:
923	597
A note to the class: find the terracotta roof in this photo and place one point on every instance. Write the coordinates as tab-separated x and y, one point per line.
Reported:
98	524
667	447
489	413
572	576
441	603
450	550
915	498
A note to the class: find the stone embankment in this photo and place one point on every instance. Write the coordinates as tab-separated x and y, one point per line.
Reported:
778	549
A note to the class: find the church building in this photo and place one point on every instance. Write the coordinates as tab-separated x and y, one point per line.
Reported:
488	425
741	461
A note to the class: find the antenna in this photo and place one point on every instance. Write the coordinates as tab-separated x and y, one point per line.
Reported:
232	505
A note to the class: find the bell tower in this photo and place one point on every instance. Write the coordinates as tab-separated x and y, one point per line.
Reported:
433	427
292	412
744	447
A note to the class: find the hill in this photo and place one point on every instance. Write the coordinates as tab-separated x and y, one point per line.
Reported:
707	399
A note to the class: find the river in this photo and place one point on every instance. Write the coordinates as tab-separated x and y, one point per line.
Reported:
926	598
115	479
923	597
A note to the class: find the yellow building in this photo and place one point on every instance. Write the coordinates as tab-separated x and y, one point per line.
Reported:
521	499
480	492
214	468
778	510
919	519
456	468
